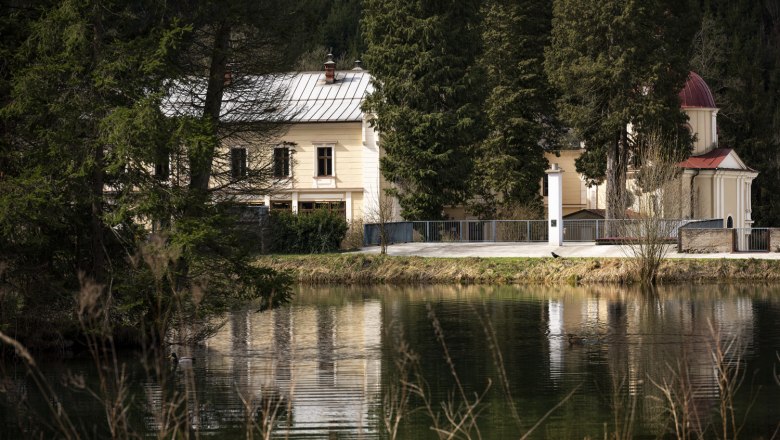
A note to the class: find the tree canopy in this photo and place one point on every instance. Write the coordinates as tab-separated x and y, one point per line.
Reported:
91	160
737	52
427	98
619	66
520	107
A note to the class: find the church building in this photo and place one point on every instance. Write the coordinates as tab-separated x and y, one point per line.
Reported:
715	182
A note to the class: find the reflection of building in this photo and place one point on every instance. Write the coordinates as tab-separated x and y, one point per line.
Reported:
645	343
323	361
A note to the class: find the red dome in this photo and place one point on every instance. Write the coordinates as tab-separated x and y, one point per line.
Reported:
696	93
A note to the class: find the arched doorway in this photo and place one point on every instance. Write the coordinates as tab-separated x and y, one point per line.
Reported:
730	222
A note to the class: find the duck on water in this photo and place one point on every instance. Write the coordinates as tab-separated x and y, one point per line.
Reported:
183	361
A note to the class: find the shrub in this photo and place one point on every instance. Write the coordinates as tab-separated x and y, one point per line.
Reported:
354	236
316	232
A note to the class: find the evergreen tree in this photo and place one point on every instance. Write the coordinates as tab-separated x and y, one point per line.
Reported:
87	148
427	98
522	122
329	26
737	51
620	64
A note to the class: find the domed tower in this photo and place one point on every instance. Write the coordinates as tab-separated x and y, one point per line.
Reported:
720	182
697	102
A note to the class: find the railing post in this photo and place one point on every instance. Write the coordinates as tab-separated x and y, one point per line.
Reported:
528	230
427	231
494	231
597	230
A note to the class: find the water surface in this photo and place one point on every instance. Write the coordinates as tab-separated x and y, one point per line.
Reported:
327	365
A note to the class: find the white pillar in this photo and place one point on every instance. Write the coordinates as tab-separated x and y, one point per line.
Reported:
555	205
714	128
348	200
295	202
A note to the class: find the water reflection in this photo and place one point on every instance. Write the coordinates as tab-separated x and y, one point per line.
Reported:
325	357
321	367
323	362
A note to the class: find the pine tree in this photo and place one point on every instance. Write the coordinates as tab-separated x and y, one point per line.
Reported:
522	121
620	64
85	129
427	99
737	52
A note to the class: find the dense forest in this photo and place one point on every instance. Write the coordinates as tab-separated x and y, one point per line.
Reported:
470	94
494	83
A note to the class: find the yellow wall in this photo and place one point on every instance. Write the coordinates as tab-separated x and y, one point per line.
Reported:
573	186
357	205
347	138
730	200
700	121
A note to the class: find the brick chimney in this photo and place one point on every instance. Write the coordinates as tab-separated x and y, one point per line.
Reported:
330	70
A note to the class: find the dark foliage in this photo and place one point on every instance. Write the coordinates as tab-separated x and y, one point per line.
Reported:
320	231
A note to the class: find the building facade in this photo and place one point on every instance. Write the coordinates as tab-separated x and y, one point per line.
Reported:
328	155
715	183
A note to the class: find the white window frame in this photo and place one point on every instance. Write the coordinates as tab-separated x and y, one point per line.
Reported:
317	146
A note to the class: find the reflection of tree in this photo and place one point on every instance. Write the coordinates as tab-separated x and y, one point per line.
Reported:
282	343
325	329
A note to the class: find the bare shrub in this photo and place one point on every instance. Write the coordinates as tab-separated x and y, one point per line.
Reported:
382	215
354	236
680	398
657	195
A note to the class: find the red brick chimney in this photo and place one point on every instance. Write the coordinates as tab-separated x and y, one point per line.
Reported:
330	70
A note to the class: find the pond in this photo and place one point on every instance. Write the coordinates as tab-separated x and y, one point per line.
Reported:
495	362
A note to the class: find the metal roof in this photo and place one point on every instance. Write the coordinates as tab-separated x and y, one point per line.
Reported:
291	97
717	159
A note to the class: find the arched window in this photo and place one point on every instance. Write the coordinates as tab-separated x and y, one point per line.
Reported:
729	222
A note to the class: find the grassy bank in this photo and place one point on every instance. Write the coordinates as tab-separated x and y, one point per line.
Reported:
376	269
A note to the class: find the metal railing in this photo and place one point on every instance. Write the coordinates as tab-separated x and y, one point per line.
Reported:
480	230
527	231
751	239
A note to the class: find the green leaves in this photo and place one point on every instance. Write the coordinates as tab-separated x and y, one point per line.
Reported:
616	64
427	99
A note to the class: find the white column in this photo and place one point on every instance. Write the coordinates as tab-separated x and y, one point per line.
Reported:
555	205
267	201
714	128
371	175
348	199
740	220
295	202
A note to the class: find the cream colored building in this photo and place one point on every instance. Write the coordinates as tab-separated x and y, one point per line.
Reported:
716	183
329	155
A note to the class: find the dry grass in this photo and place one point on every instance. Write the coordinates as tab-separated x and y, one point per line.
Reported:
377	269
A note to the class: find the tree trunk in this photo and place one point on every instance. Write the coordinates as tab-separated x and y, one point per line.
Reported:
617	161
96	217
202	156
96	199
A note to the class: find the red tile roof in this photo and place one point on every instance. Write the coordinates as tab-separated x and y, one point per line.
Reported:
696	93
707	161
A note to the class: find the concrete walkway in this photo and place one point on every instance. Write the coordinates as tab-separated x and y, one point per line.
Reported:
454	249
